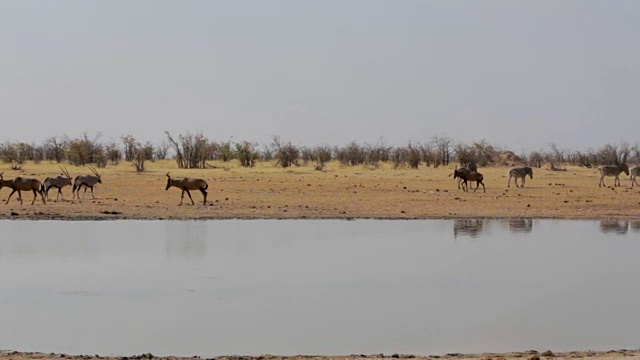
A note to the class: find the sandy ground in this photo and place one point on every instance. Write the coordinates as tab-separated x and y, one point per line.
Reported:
527	355
337	192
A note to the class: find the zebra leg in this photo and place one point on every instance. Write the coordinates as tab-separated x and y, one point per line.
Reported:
601	183
523	181
616	182
509	181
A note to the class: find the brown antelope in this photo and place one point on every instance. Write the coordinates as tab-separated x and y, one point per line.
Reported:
466	169
469	176
186	184
57	182
88	181
20	184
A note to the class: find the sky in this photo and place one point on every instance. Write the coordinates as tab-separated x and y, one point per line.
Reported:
519	74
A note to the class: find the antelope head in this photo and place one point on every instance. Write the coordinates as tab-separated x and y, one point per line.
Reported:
95	172
65	172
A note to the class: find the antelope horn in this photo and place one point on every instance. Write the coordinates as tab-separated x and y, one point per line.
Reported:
95	172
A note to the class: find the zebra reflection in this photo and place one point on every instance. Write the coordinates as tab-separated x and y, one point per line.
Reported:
614	227
520	225
468	227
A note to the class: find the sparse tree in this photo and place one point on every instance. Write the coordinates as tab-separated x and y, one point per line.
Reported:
286	154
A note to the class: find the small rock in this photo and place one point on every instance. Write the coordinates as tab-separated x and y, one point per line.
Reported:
548	353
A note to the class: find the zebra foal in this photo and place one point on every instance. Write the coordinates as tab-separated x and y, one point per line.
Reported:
519	173
612	170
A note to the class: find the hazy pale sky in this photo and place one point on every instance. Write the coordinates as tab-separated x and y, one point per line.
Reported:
520	74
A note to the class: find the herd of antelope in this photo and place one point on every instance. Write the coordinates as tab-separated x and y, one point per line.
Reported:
463	175
20	184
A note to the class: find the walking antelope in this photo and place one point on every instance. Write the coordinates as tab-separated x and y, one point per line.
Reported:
186	184
469	176
57	182
519	173
634	172
466	168
612	170
20	184
88	181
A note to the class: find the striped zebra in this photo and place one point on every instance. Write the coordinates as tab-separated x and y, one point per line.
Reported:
634	172
612	170
519	173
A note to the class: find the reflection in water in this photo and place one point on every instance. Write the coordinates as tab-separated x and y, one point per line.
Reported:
520	225
635	226
186	239
304	287
468	227
614	227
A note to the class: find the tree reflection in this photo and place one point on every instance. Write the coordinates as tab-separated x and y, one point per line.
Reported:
614	227
468	227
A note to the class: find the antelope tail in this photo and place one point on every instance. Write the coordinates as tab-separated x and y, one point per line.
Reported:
206	186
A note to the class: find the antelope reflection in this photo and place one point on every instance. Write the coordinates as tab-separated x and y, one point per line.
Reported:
614	227
635	226
468	227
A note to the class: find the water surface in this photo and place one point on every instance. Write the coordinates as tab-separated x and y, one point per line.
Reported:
318	287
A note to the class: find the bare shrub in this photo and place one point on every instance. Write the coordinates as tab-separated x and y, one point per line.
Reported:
321	155
398	156
192	150
536	159
55	148
413	156
286	154
160	152
247	154
443	145
114	154
83	150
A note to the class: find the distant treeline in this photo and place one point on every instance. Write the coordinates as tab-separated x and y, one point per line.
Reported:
195	150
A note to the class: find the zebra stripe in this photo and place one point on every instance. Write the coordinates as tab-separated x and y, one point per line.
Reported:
634	172
612	170
519	173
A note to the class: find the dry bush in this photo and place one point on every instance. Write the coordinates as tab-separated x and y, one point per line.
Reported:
286	154
192	150
321	155
247	154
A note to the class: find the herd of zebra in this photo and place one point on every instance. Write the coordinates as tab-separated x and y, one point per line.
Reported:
469	173
463	175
